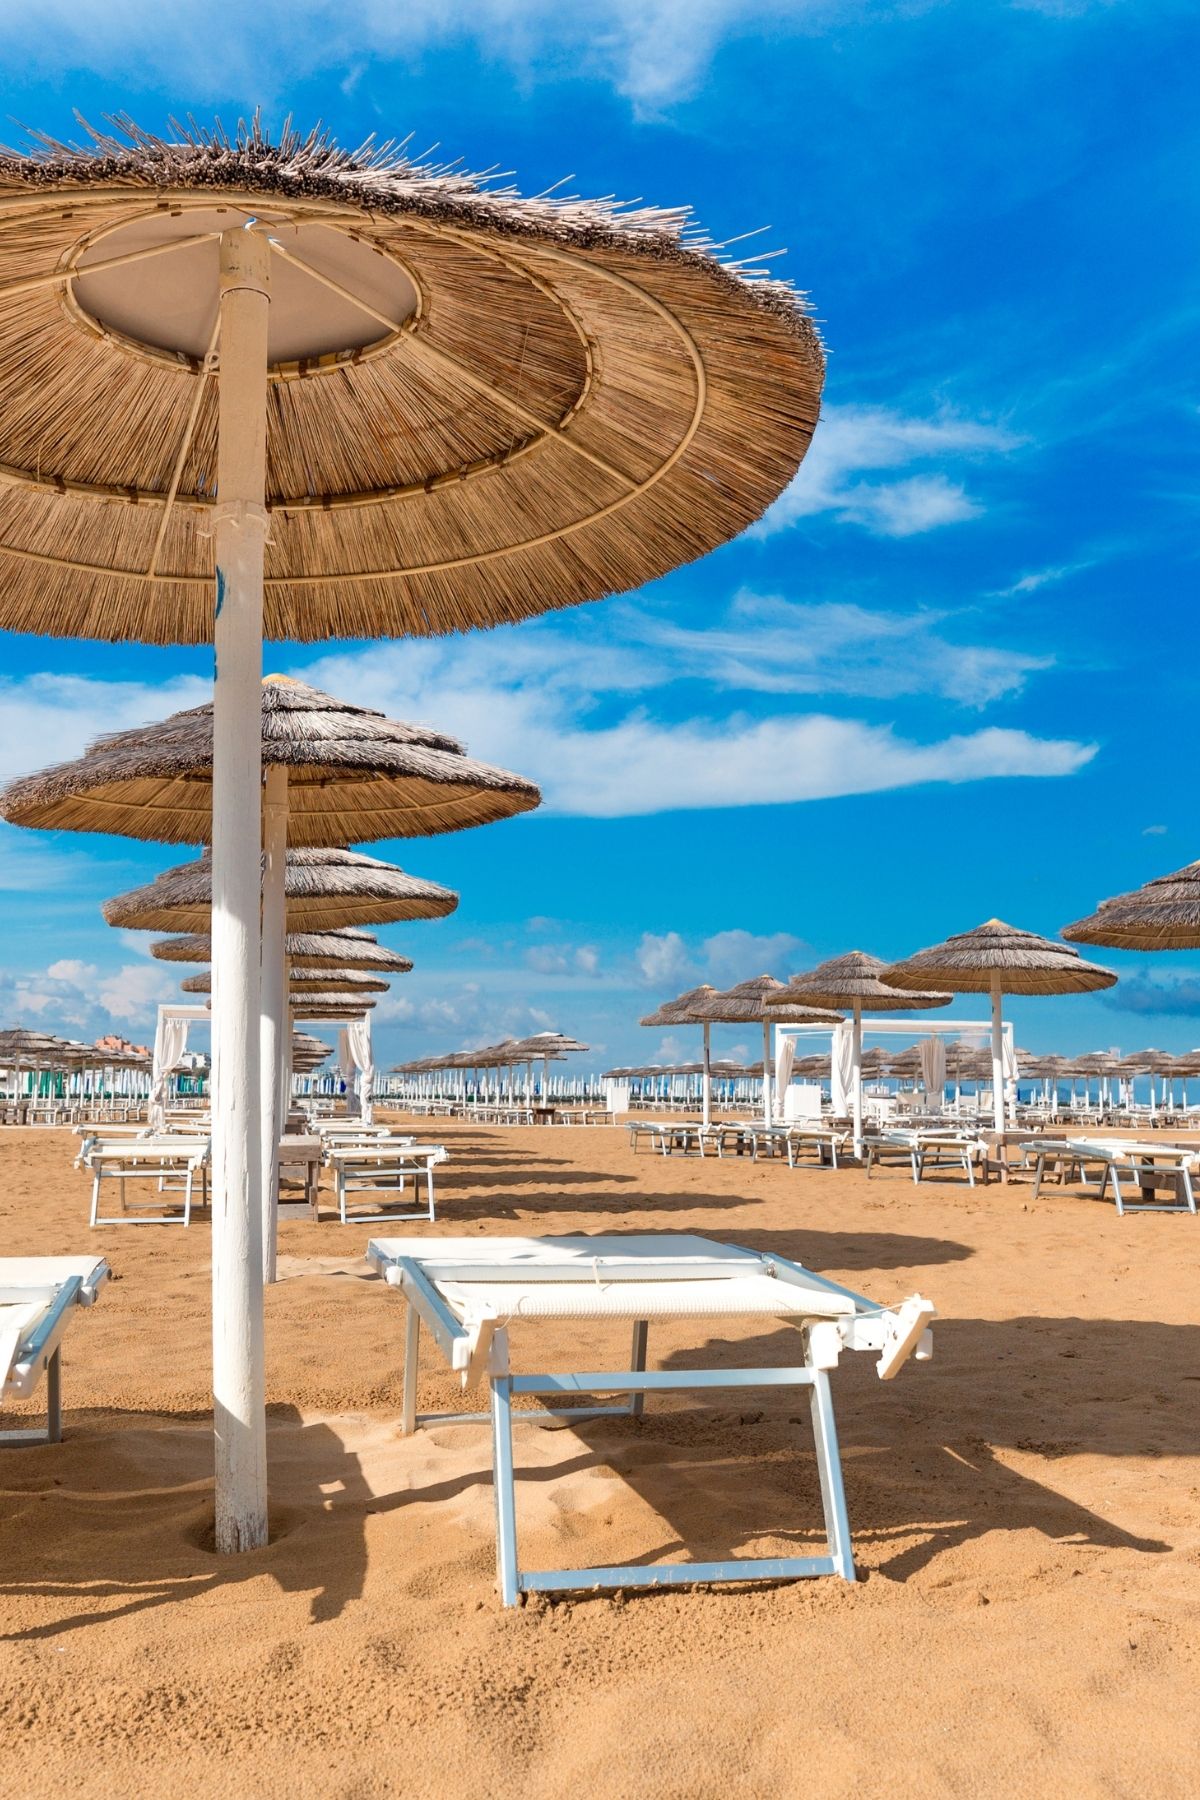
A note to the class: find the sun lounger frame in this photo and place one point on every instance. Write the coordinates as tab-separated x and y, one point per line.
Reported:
379	1168
41	1352
160	1160
865	1328
1145	1164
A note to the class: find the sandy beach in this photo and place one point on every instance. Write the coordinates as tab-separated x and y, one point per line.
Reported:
1026	1514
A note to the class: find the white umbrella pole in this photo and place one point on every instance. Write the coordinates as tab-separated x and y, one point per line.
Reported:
856	1078
273	1001
240	525
706	1105
997	1059
766	1072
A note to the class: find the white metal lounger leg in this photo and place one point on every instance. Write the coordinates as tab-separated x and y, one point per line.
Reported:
637	1400
429	1189
506	1499
829	1468
412	1352
95	1196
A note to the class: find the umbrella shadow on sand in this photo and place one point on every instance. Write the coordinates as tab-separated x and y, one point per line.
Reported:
120	1518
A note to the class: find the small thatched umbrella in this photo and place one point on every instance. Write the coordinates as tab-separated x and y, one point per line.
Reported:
304	983
429	404
344	949
852	981
333	1006
323	888
999	959
1163	915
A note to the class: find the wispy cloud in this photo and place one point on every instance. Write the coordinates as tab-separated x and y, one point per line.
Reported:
853	442
666	962
1174	995
45	715
1037	579
79	998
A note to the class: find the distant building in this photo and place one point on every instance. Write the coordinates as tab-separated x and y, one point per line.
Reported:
119	1046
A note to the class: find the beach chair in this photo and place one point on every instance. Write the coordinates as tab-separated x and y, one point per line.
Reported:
173	1162
1150	1168
469	1292
922	1148
38	1295
383	1168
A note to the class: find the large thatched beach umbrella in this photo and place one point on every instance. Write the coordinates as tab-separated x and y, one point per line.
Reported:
323	888
747	1003
999	959
304	950
445	404
852	983
1162	915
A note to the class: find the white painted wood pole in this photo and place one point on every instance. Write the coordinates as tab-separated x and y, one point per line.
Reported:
856	1078
706	1103
767	1072
273	1001
239	1384
997	1060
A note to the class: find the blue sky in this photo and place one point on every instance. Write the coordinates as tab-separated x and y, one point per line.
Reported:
952	673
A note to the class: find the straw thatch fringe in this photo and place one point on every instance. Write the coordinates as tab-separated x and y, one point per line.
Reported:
304	949
324	888
1162	915
353	774
303	983
585	397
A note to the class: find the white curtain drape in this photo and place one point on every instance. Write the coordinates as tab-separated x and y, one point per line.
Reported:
170	1042
1008	1057
842	1069
785	1056
933	1072
347	1068
358	1036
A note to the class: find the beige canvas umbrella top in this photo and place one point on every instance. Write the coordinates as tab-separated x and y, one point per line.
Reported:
344	949
323	888
1163	915
305	983
353	775
1015	961
482	406
846	981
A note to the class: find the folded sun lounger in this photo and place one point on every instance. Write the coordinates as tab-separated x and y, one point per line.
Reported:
38	1295
469	1293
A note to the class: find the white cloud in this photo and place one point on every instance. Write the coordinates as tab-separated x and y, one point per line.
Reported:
663	961
652	51
852	441
1040	578
76	998
563	959
767	643
65	712
736	955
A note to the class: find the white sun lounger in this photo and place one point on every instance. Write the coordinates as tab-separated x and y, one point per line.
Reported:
383	1167
470	1292
37	1297
921	1147
1150	1167
168	1160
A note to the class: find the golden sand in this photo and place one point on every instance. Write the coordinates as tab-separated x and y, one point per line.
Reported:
1026	1515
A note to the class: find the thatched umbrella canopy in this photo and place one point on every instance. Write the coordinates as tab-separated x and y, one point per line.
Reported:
483	406
1162	915
428	404
345	949
999	959
305	982
333	1006
852	982
324	888
351	775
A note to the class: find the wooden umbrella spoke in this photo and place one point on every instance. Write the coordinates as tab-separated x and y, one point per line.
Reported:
429	353
186	443
28	284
